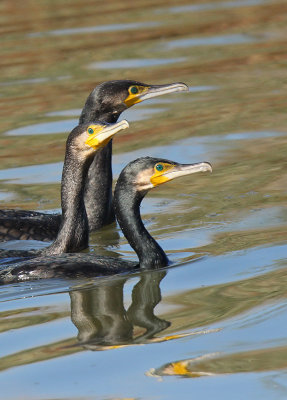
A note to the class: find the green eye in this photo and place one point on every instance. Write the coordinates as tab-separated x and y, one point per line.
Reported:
90	131
134	90
159	167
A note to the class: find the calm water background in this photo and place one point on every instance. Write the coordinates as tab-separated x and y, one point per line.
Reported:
218	316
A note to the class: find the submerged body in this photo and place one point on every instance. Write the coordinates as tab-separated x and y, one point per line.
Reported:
105	104
136	179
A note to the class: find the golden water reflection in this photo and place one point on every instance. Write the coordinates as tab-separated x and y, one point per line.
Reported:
214	364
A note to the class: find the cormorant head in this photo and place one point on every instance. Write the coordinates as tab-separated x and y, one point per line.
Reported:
109	99
85	139
145	173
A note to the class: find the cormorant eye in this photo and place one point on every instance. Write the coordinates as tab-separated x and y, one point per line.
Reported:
90	131
159	167
134	90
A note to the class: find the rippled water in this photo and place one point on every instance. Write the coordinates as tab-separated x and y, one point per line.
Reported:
217	316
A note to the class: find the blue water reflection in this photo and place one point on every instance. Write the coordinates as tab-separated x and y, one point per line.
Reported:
216	5
224	40
134	63
187	150
94	29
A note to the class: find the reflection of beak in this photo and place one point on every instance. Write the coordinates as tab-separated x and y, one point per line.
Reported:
100	139
180	170
154	91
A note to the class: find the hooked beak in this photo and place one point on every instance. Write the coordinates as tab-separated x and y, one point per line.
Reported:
180	170
155	90
159	90
101	138
187	169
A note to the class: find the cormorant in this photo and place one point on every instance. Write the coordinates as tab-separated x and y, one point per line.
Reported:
104	104
136	179
81	146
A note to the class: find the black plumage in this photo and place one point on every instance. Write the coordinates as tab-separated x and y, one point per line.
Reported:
81	146
104	104
136	179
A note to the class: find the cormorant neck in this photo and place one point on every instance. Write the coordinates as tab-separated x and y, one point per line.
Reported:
127	207
93	111
74	230
98	188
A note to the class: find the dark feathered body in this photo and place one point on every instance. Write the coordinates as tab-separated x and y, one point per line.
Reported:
28	225
105	104
127	199
73	234
64	266
74	229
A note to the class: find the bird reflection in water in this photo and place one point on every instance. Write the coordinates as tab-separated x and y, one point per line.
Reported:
103	322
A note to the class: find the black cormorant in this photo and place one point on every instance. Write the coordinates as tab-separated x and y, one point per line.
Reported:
81	146
136	179
105	104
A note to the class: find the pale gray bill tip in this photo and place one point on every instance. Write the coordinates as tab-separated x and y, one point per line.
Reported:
122	124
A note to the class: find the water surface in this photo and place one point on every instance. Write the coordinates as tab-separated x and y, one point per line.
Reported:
216	317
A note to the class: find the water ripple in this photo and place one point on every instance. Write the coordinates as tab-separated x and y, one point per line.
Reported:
62	126
95	29
213	6
33	174
34	81
195	148
44	128
224	40
6	196
134	63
